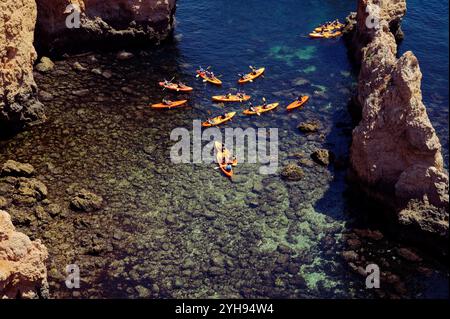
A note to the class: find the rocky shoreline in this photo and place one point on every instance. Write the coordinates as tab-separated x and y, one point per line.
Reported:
23	271
395	153
115	23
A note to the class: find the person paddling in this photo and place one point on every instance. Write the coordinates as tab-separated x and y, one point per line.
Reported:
264	105
166	102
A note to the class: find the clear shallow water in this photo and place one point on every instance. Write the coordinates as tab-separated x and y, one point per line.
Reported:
426	34
184	230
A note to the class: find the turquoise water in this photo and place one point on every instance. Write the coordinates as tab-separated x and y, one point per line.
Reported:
185	231
426	29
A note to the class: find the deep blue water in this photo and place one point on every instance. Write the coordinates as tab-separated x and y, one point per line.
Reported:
426	34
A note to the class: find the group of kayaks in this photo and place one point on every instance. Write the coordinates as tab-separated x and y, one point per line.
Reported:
224	159
328	30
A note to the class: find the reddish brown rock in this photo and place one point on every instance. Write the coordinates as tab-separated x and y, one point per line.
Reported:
23	273
369	234
19	105
408	254
395	156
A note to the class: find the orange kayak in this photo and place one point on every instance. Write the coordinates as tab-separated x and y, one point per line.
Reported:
169	106
261	109
224	170
251	76
232	98
220	155
176	87
297	103
213	80
219	119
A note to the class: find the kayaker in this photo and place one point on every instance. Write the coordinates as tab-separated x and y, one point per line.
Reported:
264	105
253	70
251	107
240	95
228	168
166	102
228	95
182	85
300	98
210	121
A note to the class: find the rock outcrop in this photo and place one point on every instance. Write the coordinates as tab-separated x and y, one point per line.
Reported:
19	105
23	273
395	152
102	22
370	15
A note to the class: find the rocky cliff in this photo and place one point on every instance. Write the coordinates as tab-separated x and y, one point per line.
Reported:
102	23
18	103
23	272
22	263
395	152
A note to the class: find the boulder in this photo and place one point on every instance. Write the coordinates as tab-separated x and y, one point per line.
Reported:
86	202
13	168
309	127
45	65
322	157
23	273
292	172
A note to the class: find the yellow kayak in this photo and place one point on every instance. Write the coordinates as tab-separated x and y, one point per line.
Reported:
325	35
219	119
261	109
251	76
231	98
329	28
213	80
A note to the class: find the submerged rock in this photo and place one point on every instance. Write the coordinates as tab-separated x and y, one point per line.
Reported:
78	67
13	168
86	202
309	127
292	172
123	55
45	65
322	156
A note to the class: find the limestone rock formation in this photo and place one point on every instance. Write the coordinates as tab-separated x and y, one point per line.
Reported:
371	15
19	105
23	273
107	22
395	152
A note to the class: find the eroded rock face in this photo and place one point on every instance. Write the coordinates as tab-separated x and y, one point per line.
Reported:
111	22
19	105
395	152
23	273
388	13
